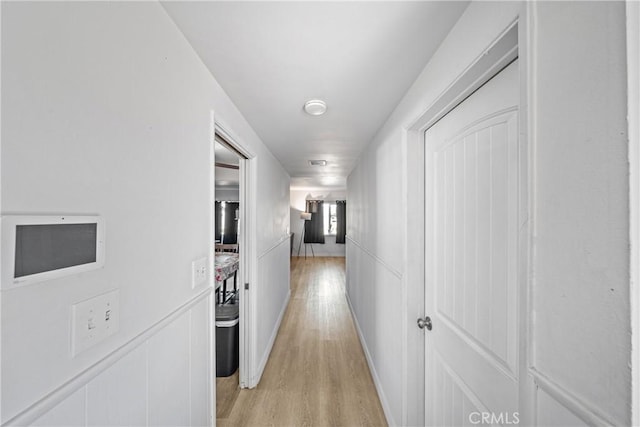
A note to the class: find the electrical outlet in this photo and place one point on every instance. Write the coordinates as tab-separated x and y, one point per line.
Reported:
94	320
198	272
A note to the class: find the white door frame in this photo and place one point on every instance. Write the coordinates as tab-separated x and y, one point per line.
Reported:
247	249
633	113
512	43
210	266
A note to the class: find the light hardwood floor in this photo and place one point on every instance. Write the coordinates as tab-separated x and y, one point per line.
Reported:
317	374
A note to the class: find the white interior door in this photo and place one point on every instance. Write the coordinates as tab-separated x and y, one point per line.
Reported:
471	294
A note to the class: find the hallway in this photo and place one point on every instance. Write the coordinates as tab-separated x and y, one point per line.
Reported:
317	373
518	255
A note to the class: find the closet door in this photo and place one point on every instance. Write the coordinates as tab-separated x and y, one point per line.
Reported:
471	352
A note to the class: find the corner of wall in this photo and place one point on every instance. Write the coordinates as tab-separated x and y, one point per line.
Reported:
633	114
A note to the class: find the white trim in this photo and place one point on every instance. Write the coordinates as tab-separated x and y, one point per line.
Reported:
413	206
633	113
248	266
1	272
374	374
378	260
570	401
48	402
211	280
281	241
211	368
509	45
223	130
247	251
248	304
527	126
190	369
265	357
489	63
147	407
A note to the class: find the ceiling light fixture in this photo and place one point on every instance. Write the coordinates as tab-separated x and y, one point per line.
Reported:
315	107
318	162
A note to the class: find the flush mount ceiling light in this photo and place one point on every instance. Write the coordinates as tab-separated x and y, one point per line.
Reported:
318	162
315	107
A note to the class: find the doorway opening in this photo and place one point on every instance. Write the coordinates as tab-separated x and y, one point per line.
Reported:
231	267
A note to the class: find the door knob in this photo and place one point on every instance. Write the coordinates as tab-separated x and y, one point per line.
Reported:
425	323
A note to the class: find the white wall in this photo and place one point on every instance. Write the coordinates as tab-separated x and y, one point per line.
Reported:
269	291
633	113
298	200
106	110
271	270
580	214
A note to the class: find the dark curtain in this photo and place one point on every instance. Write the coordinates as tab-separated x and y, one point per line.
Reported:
231	222
341	218
314	228
218	213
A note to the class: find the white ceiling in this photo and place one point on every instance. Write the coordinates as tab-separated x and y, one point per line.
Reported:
226	177
358	56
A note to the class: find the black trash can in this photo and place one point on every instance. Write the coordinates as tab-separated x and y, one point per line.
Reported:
227	339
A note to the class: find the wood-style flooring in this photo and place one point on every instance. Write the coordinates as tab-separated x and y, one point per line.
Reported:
317	374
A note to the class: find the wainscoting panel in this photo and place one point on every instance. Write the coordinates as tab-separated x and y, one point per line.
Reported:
201	396
374	296
168	364
70	412
113	398
551	413
271	292
162	377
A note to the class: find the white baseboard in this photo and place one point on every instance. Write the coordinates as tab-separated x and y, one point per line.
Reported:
374	374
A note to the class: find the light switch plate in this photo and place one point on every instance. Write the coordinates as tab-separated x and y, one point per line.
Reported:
198	272
93	320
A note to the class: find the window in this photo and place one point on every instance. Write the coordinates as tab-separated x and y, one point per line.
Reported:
330	219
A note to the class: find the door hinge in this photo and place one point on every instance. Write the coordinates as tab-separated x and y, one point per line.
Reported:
246	286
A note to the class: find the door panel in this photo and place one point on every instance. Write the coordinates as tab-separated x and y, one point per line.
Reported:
471	249
457	399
